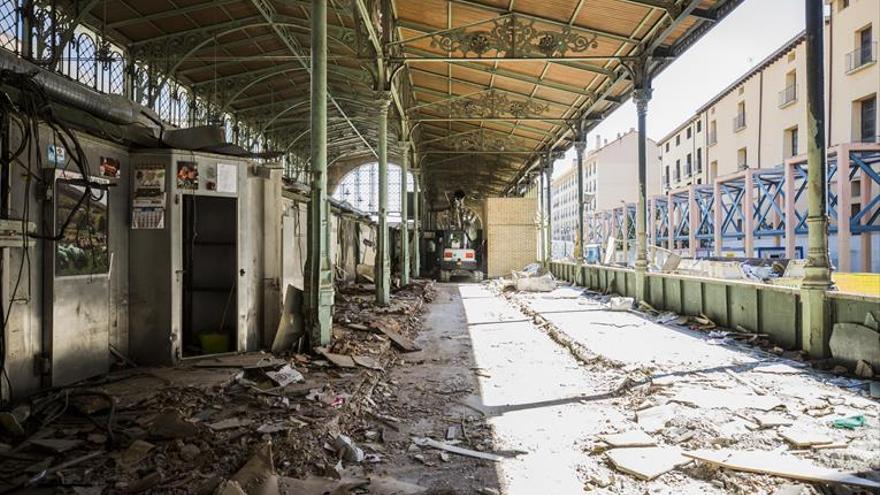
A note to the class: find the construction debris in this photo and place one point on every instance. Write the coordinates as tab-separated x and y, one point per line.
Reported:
428	442
213	425
778	464
646	463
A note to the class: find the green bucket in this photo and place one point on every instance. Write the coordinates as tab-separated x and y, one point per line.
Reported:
214	343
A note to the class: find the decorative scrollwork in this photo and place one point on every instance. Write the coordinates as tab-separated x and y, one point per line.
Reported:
481	141
511	36
495	104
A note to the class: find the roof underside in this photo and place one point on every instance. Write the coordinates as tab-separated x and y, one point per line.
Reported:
484	88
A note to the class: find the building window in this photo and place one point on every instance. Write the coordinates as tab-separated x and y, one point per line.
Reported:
688	132
667	147
699	160
677	170
713	133
788	95
678	139
742	158
868	120
791	142
865	52
699	125
739	122
688	165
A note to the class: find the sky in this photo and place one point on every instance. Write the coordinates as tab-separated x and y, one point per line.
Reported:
746	36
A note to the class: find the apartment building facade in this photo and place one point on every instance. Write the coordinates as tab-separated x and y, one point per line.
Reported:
610	181
760	120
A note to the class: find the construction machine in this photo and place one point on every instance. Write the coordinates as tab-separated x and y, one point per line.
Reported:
459	240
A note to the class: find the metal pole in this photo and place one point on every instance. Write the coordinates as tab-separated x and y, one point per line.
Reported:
580	146
383	262
404	222
542	216
417	228
548	172
319	289
817	272
641	96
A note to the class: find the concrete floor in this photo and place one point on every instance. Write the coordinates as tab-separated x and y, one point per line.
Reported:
541	401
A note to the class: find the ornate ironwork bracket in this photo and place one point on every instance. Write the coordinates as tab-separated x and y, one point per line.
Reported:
495	104
512	36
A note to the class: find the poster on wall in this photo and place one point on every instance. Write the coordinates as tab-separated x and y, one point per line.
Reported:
209	172
227	178
148	197
149	186
188	175
110	167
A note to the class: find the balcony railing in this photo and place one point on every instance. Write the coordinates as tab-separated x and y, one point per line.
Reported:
788	96
861	56
739	122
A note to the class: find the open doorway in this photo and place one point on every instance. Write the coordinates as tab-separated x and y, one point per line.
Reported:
210	299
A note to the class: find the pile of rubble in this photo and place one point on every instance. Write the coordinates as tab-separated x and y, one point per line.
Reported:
222	424
745	417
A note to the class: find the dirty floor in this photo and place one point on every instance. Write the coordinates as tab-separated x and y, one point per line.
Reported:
463	389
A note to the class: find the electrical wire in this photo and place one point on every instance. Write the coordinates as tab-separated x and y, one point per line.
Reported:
32	109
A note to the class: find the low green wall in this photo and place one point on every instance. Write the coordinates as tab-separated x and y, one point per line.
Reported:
761	308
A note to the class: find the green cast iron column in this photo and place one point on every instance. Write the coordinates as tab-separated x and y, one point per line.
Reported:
383	261
417	225
641	96
580	146
404	223
542	206
319	286
548	171
817	272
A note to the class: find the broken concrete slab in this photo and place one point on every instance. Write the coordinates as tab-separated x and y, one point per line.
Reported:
635	438
340	360
803	438
787	466
771	420
647	463
367	362
653	419
851	343
401	342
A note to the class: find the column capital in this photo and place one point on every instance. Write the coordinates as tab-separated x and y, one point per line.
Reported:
641	96
383	98
580	146
404	145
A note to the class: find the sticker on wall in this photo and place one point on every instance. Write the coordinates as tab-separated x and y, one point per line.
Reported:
56	154
148	217
110	167
149	186
188	175
227	178
209	173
